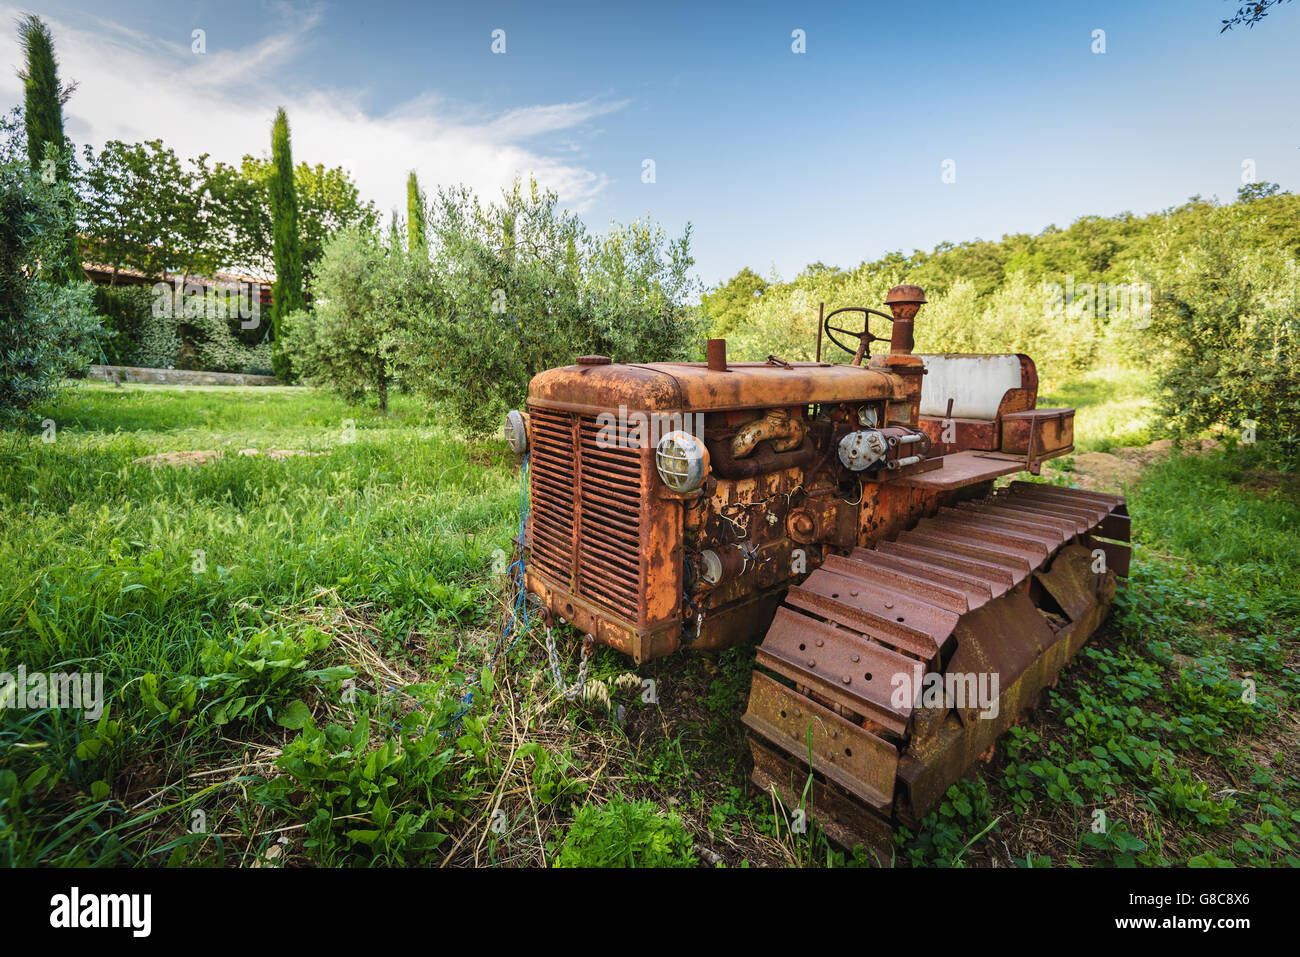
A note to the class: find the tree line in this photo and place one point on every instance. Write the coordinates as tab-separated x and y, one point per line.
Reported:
1204	295
461	300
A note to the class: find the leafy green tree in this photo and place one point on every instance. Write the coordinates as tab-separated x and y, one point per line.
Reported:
328	201
50	329
1250	192
287	293
1225	339
48	151
1249	14
416	221
529	288
507	290
144	208
726	306
368	293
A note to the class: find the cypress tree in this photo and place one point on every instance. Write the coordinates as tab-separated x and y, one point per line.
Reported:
286	295
43	116
416	238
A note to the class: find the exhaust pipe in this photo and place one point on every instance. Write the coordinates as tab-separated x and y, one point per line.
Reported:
717	355
903	302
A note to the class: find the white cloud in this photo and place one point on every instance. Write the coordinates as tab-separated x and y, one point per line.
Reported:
134	87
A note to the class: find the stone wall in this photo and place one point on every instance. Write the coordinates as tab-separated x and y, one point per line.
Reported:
176	376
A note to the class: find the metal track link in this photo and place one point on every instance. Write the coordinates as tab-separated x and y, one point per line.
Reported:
869	679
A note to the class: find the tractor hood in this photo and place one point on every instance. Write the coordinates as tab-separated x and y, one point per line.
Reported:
596	384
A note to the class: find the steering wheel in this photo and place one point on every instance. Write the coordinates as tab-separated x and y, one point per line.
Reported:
864	337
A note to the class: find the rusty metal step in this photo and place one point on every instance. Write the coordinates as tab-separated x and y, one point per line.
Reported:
991	547
1083	518
820	656
918	548
1112	510
987	523
1066	526
977	591
902	622
843	752
863	564
1078	495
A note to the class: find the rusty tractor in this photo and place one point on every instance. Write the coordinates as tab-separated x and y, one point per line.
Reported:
846	515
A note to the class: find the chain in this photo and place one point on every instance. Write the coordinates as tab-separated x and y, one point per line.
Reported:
573	692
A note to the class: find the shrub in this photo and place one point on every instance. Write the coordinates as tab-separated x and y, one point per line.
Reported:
527	288
124	312
368	293
626	834
1225	339
512	288
49	330
192	334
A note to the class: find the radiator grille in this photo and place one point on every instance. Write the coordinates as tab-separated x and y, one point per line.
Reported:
610	546
587	510
553	514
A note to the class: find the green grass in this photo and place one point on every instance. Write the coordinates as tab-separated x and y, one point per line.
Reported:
201	594
1112	408
107	565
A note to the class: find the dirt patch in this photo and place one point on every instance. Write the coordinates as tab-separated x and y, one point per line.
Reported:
196	457
1118	469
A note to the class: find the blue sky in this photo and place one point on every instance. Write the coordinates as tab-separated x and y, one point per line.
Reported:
778	159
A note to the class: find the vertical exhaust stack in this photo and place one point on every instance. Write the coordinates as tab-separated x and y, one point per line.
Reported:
903	302
717	349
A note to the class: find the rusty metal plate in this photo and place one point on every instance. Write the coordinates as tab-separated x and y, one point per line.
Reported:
992	543
988	522
838	749
1066	526
1004	637
1115	526
1075	494
996	577
862	564
1071	581
973	591
906	624
1058	499
821	656
844	821
961	469
1083	518
1119	555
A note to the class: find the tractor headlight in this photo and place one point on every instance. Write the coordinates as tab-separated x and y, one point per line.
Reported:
516	431
682	461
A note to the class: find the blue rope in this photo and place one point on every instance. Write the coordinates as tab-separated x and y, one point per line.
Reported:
518	613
